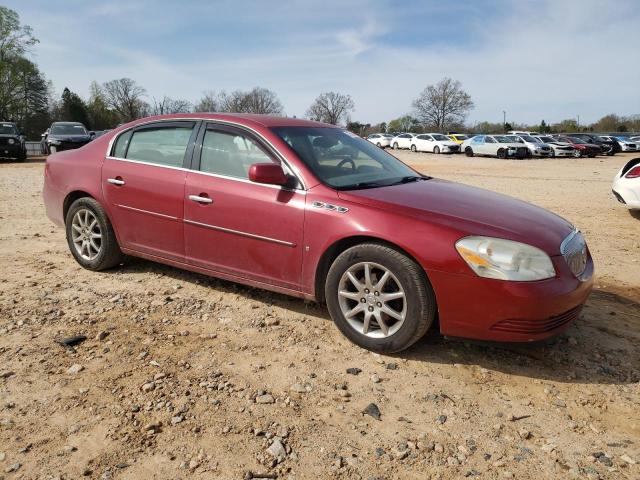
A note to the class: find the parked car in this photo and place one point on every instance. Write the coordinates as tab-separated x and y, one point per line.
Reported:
521	132
606	147
311	210
496	146
626	145
560	149
66	136
458	137
381	140
581	147
536	147
433	142
12	142
402	141
635	138
626	185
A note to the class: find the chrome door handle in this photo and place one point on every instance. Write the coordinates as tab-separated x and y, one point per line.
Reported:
115	181
199	199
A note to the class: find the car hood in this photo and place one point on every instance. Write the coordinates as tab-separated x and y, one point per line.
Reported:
469	210
69	138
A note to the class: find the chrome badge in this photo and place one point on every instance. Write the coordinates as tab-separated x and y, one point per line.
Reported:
329	206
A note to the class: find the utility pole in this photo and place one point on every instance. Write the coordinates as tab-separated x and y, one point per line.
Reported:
578	122
504	120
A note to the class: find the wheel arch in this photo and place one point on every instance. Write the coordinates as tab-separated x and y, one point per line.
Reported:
339	246
72	197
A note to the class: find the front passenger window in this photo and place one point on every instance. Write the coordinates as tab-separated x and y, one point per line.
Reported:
230	154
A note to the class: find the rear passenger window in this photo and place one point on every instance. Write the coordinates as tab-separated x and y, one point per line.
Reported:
162	145
230	154
120	148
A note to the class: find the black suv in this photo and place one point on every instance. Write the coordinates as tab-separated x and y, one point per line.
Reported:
12	142
607	147
65	136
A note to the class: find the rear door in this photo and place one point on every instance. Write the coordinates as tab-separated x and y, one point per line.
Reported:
143	184
235	226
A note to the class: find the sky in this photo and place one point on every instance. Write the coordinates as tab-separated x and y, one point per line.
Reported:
546	59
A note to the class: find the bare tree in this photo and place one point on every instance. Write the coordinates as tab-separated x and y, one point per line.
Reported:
169	105
443	104
331	107
124	96
263	101
208	103
232	102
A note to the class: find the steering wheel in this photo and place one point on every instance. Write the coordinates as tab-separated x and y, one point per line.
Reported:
347	160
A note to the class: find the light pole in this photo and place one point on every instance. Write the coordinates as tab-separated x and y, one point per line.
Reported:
504	120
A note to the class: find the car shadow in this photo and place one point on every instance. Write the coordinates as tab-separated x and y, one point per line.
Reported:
602	347
635	214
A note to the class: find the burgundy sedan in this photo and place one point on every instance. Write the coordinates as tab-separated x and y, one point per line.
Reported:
313	211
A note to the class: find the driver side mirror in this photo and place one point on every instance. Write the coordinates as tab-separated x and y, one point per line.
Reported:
268	173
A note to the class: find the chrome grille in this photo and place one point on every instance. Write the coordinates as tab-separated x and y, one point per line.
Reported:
574	251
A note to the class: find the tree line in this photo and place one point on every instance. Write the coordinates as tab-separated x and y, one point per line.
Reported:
27	98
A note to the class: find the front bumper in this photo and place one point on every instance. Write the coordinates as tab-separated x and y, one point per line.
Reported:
11	151
450	149
563	153
484	309
62	146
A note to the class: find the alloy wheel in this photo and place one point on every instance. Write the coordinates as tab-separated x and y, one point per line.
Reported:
372	300
86	234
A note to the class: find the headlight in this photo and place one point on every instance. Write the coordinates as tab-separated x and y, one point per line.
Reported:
11	141
505	259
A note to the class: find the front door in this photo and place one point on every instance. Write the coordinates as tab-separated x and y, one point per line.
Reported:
143	184
235	226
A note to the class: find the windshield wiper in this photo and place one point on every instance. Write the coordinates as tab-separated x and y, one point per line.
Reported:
374	184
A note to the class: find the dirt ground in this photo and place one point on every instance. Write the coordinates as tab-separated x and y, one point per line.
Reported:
184	376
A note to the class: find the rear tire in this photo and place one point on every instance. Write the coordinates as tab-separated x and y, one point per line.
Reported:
468	152
411	297
90	236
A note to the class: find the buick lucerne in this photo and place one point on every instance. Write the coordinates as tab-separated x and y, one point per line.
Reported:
311	210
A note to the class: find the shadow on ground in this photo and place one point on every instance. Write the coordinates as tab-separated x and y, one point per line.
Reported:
602	347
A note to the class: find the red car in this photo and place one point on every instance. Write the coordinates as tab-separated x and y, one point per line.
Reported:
582	148
313	211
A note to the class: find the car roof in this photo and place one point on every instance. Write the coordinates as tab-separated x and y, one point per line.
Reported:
67	123
248	119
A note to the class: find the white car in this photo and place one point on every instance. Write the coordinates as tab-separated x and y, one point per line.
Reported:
381	140
635	139
520	132
535	145
626	144
560	149
499	146
434	142
626	185
402	141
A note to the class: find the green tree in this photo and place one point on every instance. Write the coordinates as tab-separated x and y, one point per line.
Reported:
73	108
100	116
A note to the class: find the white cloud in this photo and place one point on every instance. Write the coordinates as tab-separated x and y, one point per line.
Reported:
545	60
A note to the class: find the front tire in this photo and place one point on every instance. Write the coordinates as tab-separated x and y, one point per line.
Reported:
379	298
90	236
395	146
436	150
379	145
502	153
468	152
52	149
414	148
577	153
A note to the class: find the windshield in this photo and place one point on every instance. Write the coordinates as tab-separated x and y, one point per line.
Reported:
344	161
508	139
460	137
546	139
68	130
8	129
529	138
577	140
